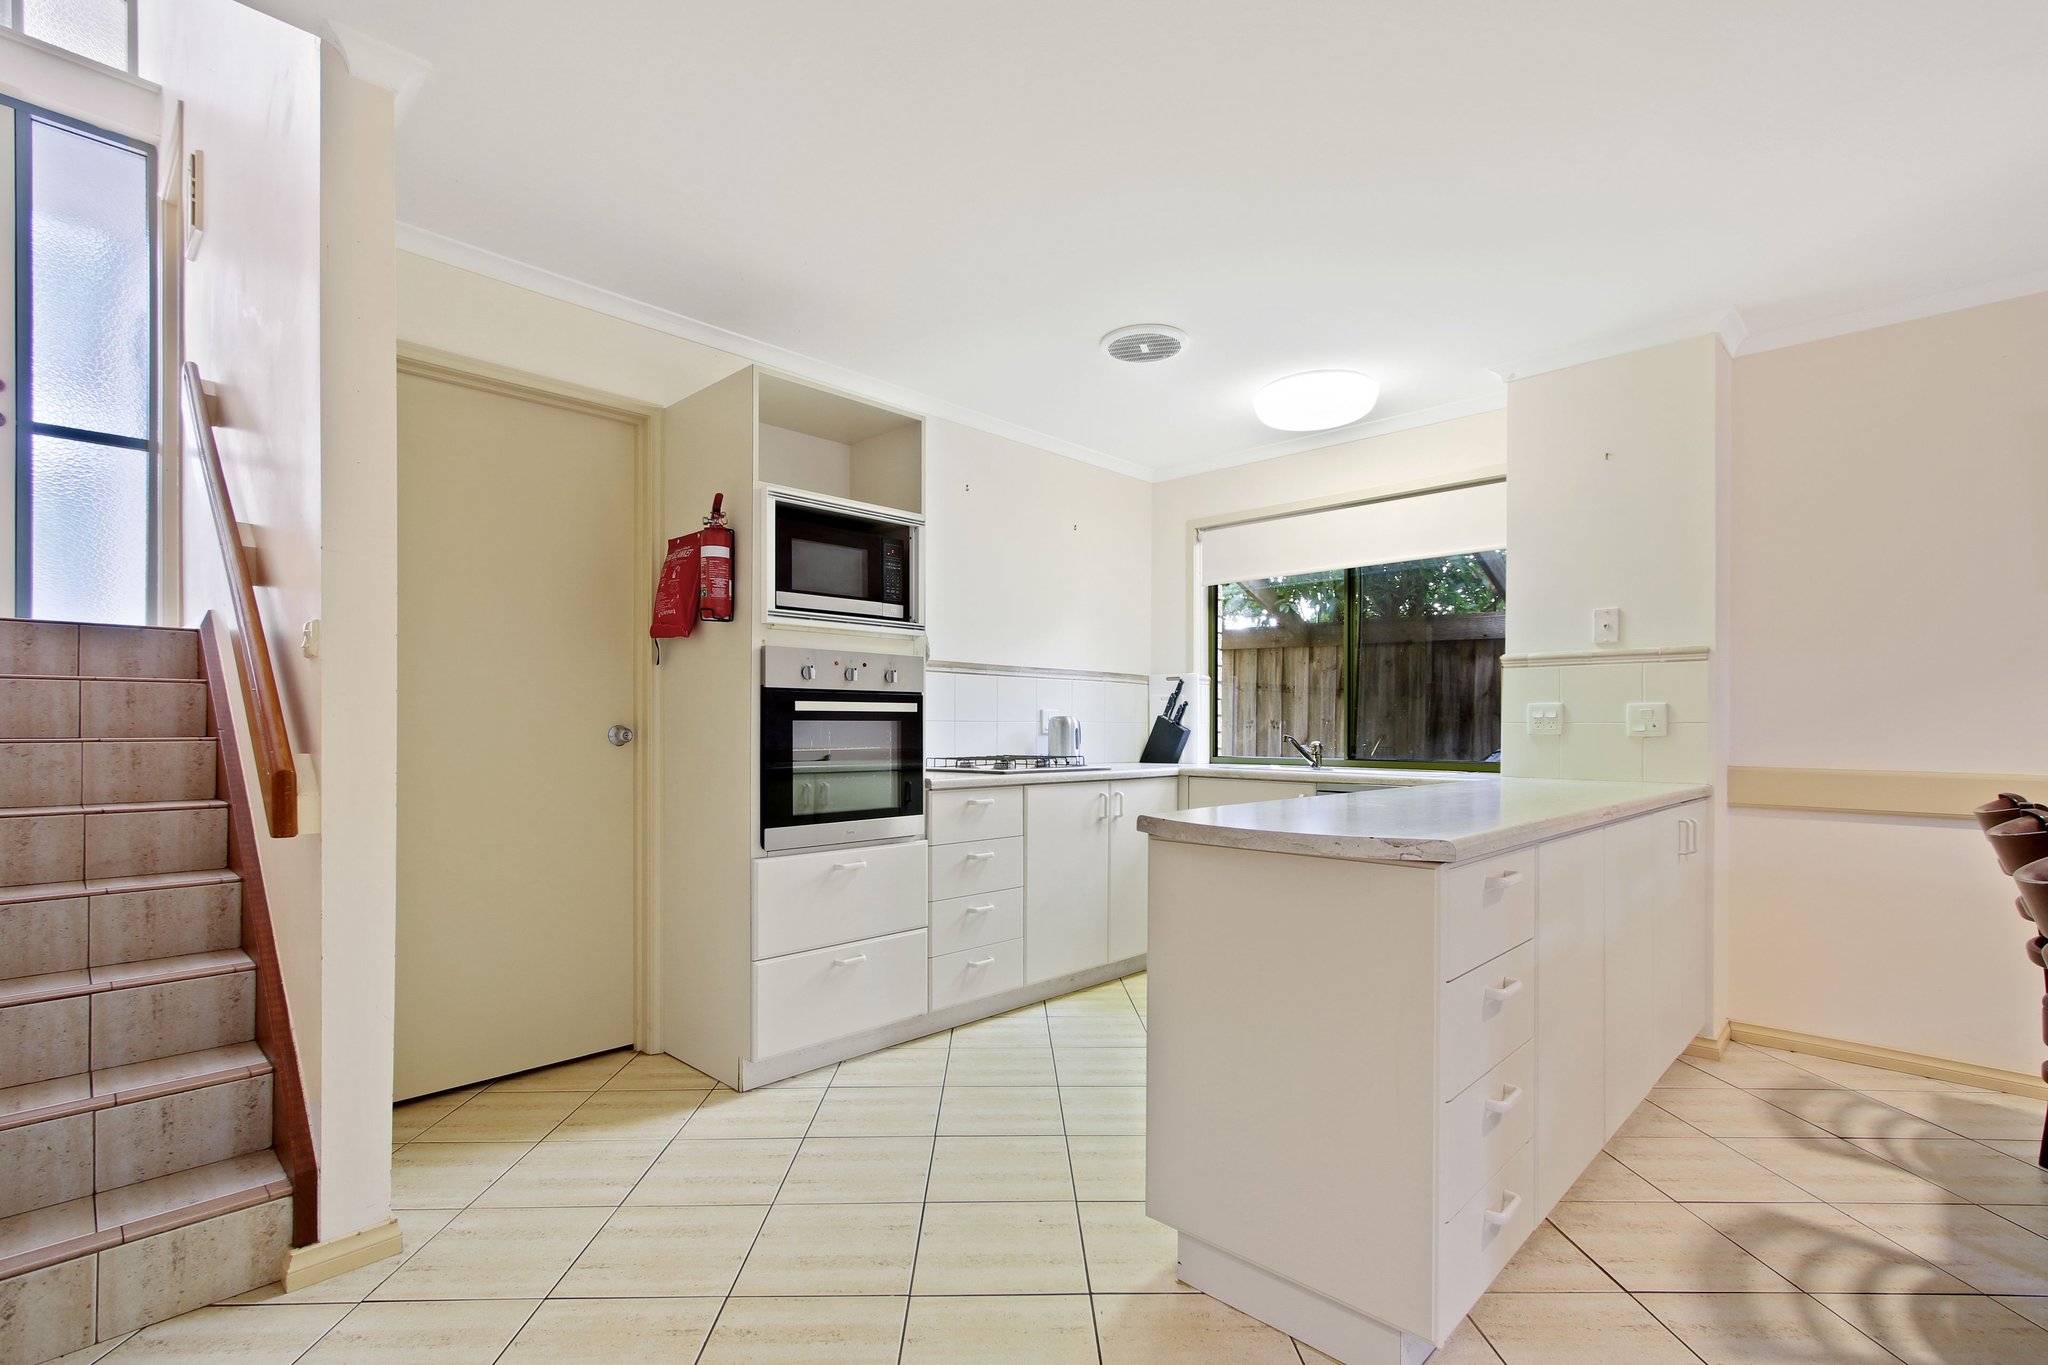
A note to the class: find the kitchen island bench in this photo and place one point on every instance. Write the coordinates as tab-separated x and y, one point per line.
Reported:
1453	994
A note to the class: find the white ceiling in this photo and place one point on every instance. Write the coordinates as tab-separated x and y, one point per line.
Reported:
957	199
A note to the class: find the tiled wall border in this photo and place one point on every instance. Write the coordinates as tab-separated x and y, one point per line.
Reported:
1016	671
1594	687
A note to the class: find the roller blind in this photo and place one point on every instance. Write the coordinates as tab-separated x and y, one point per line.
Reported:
1427	526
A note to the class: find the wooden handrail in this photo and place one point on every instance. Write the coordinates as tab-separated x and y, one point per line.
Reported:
279	775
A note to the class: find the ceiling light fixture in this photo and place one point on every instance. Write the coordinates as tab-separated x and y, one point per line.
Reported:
1144	343
1317	400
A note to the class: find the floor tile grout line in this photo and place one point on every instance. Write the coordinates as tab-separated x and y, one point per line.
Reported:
924	1205
1080	1233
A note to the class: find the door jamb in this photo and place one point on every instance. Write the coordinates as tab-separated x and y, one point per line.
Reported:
428	363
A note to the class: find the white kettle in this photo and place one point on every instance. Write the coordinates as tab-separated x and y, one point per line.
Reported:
1062	736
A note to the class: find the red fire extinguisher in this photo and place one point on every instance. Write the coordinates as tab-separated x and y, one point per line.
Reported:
696	580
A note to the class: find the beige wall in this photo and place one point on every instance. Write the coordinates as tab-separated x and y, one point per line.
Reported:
288	310
1446	452
1887	597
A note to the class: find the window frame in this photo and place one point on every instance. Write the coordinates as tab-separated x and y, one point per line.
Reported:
13	24
26	428
1350	695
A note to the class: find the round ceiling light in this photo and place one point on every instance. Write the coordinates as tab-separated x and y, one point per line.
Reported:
1145	343
1317	400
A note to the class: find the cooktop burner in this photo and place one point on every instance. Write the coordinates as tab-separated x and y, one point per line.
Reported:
1003	763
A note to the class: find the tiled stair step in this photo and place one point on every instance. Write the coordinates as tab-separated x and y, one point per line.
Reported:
79	1227
67	649
139	1020
87	1091
101	708
42	844
76	926
114	976
88	772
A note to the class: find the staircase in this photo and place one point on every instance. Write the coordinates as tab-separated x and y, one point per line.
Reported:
137	1175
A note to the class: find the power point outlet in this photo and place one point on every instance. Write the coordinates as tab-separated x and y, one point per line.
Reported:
1607	625
1647	719
1546	718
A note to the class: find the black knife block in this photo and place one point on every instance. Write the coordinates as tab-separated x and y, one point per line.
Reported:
1166	742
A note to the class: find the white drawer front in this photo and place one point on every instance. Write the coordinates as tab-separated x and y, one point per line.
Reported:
971	921
1483	1125
957	817
808	900
1480	1237
1488	908
960	977
972	868
1483	1016
829	993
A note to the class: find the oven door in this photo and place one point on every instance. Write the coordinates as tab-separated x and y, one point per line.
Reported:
845	565
839	768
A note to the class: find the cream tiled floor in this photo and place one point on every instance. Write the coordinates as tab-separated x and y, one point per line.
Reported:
977	1196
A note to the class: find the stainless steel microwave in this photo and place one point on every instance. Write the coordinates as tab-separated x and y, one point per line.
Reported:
832	559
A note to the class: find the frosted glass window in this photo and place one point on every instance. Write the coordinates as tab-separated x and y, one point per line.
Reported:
97	29
90	283
89	558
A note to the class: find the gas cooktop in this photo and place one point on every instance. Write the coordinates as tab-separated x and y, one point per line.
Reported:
1008	763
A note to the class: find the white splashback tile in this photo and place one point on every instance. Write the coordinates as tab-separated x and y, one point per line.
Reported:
1596	694
1686	754
1089	705
1056	695
974	737
1126	702
941	695
1683	686
1525	755
939	740
977	697
1520	686
1600	753
1016	698
1018	737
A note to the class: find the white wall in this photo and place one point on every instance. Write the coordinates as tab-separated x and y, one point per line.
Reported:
1611	499
1888	588
1034	559
1444	453
288	308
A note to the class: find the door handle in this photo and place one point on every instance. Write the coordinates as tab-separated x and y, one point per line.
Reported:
1505	1214
981	857
980	961
849	961
1506	990
620	735
981	800
1510	1097
850	867
1504	880
1118	797
980	909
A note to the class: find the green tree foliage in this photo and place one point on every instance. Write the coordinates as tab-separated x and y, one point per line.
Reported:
1425	587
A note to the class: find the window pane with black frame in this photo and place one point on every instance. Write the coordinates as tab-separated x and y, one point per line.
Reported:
1383	663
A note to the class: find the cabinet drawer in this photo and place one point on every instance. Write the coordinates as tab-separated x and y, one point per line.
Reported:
1487	908
809	900
971	921
829	993
1479	1238
1483	1016
1483	1125
971	868
958	817
960	977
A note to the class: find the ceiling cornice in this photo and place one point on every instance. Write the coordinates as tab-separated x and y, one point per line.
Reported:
1323	440
379	63
1726	324
477	260
1906	310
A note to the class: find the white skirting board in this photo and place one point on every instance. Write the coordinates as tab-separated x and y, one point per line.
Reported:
767	1070
1341	1333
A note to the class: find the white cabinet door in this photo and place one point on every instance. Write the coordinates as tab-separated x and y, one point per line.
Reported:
1680	936
1640	856
1066	878
1127	859
1571	1010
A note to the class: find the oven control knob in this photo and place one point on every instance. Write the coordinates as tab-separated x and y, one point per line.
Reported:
889	677
809	671
853	673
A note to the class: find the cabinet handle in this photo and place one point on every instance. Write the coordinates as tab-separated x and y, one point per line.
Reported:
1505	1214
1506	990
850	867
980	961
981	800
980	909
1105	807
849	961
1505	879
1119	798
981	857
1511	1097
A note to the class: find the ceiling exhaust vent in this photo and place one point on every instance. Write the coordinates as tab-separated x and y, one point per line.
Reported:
1145	343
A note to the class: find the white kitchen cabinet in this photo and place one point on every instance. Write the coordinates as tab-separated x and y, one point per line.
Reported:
1656	915
1682	941
1066	878
1231	791
1128	880
1571	1012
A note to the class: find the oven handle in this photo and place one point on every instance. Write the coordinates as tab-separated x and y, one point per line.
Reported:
836	707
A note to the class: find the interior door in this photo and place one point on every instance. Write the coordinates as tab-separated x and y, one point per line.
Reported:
1066	878
1128	860
519	640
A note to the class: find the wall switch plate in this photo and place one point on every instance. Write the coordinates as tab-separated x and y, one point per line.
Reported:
1546	718
1648	719
1607	625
